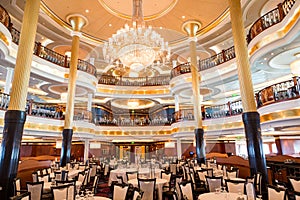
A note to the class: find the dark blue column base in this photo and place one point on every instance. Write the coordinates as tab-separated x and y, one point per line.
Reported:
66	144
14	121
256	156
200	146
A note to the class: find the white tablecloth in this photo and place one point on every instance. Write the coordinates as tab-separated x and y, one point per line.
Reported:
48	185
159	185
101	198
219	196
122	172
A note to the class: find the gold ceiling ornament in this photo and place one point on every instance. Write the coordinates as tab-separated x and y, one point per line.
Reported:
136	47
191	27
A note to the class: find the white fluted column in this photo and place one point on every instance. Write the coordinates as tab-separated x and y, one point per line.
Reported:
9	76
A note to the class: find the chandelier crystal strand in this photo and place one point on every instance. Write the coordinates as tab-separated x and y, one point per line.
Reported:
138	46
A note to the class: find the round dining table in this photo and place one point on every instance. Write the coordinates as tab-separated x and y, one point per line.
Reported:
159	185
220	196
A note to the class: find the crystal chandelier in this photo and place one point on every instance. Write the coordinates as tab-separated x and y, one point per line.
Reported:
138	46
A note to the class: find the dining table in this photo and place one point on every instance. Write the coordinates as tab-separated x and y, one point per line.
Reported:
159	185
220	196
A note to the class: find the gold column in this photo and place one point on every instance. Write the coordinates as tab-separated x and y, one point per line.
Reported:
241	51
77	22
191	27
20	82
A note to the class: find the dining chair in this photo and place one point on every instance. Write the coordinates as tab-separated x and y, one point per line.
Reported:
131	175
36	189
276	193
235	186
201	174
60	192
186	190
250	191
71	188
22	196
148	187
296	195
295	183
120	191
17	186
137	194
120	179
213	182
167	176
94	187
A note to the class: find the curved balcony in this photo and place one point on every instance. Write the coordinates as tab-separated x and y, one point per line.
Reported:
271	18
54	57
215	60
5	18
134	81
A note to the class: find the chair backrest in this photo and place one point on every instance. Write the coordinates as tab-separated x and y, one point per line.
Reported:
36	189
34	177
64	175
295	182
250	179
120	191
137	194
202	173
187	173
22	196
17	186
258	178
131	175
177	188
44	171
232	173
210	172
57	175
148	187
45	178
95	184
173	168
60	192
166	176
93	171
213	182
71	188
250	191
276	193
186	190
235	186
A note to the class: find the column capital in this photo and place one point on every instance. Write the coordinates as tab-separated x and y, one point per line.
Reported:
77	21
76	33
191	27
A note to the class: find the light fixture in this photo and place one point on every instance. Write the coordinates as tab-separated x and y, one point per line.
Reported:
138	46
133	103
295	65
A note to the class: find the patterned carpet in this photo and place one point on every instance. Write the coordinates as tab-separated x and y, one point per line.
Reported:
103	189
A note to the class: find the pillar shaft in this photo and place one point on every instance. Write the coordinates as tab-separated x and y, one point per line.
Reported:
179	148
251	117
72	83
15	117
278	145
68	126
195	84
86	150
9	76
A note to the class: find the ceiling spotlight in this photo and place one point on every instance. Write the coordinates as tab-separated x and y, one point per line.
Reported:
87	10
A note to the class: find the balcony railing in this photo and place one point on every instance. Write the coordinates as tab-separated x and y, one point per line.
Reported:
5	18
271	18
54	57
134	81
207	63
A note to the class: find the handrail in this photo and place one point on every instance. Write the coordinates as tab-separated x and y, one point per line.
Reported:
5	18
134	81
215	60
271	18
54	57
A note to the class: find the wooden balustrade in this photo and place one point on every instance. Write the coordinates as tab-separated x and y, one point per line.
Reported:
271	18
134	81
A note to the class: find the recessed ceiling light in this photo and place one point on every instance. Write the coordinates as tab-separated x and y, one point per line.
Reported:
160	27
43	38
265	58
261	63
272	54
297	55
110	25
87	10
183	17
